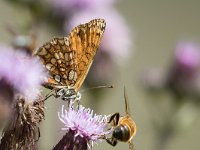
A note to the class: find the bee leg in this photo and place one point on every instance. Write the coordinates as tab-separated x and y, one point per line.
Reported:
111	141
131	145
114	118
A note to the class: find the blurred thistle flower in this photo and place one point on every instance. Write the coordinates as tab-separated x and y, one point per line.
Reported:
182	82
26	43
20	42
22	72
73	6
187	56
83	127
116	41
184	73
183	76
22	130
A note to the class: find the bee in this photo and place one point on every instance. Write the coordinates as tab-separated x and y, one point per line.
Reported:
124	127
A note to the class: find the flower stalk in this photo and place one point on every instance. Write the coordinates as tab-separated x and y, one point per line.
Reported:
22	130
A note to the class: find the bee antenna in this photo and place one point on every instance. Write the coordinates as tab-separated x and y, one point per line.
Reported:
126	101
98	87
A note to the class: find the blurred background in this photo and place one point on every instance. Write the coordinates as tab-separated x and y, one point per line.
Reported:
151	47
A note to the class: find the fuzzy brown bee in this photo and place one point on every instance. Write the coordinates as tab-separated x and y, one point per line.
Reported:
124	128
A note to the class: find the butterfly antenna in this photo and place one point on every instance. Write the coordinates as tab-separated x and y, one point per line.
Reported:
98	87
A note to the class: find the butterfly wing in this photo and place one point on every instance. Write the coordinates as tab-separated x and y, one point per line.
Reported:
68	59
58	58
85	40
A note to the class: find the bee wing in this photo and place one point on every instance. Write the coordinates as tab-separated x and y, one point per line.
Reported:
127	109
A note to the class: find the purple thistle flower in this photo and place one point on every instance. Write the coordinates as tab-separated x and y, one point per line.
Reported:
116	40
84	124
22	72
184	75
186	63
72	6
187	56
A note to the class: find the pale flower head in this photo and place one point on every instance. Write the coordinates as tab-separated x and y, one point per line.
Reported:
21	71
84	123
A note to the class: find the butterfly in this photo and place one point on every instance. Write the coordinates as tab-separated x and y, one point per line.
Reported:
68	59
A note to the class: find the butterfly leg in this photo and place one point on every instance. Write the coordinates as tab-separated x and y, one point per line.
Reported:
50	95
78	99
56	95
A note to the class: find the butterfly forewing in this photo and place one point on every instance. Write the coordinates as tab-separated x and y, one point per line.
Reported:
68	59
85	40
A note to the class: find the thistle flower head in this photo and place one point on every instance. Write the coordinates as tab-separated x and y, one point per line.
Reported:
185	67
183	76
84	123
187	55
22	72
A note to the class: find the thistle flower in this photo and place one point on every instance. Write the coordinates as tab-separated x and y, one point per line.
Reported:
22	72
26	43
83	127
22	130
184	74
187	57
116	41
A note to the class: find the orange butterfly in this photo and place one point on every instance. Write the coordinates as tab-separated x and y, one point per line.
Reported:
68	59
